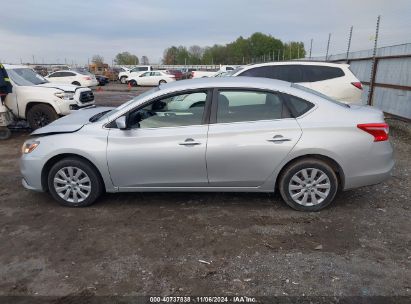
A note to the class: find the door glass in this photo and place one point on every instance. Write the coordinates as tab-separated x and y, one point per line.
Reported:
236	106
178	110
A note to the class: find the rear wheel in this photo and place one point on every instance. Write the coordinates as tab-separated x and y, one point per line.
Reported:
123	80
308	185
41	115
76	83
133	83
74	183
161	82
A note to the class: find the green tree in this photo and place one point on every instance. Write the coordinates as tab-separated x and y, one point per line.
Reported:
125	58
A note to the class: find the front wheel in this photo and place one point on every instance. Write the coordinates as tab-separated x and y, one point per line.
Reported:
41	115
123	80
74	182
133	83
308	185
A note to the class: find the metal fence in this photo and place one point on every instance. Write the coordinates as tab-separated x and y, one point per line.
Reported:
390	79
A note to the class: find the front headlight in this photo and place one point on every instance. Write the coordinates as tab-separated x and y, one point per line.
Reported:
28	147
65	95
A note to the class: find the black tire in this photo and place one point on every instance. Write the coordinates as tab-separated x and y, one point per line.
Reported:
311	187
41	115
123	80
76	83
96	184
161	82
5	133
133	83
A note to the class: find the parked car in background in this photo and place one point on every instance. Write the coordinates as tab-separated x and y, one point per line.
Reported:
332	79
250	135
221	74
202	74
134	72
39	102
102	80
177	73
187	72
153	78
84	79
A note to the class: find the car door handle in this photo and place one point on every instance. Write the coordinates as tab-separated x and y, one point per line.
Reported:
189	142
279	138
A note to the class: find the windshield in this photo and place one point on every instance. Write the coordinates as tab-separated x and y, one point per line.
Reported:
232	72
303	88
127	103
25	77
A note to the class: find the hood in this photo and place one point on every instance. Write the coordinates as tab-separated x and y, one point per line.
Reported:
64	87
72	122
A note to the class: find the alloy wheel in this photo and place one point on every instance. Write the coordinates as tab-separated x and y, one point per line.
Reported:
72	184
309	187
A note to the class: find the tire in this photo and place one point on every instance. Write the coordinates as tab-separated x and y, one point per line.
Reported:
298	190
123	80
61	176
161	82
41	115
133	83
76	83
5	133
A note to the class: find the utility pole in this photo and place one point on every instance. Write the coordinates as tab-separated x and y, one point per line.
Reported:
311	47
290	51
374	63
328	46
298	51
278	55
349	44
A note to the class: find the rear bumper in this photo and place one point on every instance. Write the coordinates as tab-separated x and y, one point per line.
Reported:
372	168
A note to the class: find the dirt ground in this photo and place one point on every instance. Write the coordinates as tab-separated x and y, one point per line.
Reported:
252	244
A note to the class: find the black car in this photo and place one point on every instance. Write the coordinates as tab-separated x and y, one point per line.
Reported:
102	80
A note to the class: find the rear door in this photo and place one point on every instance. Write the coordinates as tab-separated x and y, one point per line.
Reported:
326	80
251	133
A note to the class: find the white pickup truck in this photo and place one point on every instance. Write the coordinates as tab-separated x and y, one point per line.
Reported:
202	74
134	72
40	102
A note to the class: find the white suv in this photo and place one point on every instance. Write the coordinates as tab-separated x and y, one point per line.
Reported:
39	101
135	72
331	79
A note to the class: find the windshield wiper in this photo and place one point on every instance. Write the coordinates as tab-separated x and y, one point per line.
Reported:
97	116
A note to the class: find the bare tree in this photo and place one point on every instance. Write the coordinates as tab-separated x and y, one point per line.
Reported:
144	60
97	59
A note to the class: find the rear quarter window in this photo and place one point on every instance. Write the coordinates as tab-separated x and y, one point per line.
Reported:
313	73
286	72
297	105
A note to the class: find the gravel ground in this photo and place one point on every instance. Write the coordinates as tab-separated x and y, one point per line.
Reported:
252	244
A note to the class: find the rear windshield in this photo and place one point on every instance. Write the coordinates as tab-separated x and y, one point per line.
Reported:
297	86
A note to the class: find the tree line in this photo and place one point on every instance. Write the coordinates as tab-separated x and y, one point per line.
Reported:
258	47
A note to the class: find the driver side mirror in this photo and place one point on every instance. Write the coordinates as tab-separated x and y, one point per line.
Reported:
121	123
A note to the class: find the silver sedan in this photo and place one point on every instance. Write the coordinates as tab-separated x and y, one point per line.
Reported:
215	134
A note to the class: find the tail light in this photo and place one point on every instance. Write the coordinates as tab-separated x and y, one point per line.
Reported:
87	78
357	84
378	130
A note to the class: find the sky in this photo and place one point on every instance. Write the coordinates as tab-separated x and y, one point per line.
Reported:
61	31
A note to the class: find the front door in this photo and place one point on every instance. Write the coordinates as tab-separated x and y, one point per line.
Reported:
165	145
253	132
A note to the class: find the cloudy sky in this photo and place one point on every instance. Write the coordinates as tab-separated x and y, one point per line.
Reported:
73	31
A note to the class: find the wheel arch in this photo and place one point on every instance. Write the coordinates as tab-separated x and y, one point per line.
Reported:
31	104
328	160
50	163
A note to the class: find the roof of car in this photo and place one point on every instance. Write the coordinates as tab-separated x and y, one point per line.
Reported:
301	62
16	66
232	82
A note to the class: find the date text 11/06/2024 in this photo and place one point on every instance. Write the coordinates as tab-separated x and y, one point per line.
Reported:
200	299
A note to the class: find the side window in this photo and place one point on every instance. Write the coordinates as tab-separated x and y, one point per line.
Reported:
178	110
143	69
315	73
298	106
242	105
56	74
70	74
145	74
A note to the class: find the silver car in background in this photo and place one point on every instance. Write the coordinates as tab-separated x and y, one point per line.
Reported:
215	134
